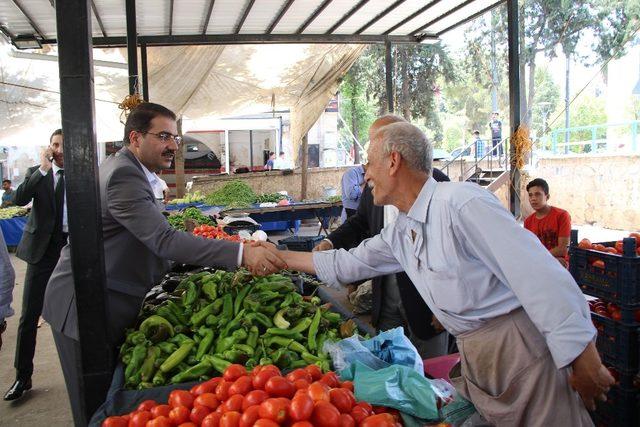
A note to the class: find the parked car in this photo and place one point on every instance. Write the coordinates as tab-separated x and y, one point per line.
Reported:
440	154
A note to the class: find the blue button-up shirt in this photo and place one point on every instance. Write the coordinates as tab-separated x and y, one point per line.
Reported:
352	181
471	262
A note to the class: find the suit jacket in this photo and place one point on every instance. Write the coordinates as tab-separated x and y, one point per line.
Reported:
138	242
39	228
365	223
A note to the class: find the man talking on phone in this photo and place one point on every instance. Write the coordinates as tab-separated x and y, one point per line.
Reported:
44	236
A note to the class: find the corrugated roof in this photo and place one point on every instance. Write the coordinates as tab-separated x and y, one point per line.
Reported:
166	22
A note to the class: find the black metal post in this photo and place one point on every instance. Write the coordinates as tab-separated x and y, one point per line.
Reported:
132	46
514	102
388	67
145	72
251	149
75	59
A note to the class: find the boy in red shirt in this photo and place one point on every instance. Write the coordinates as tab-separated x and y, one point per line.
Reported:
552	225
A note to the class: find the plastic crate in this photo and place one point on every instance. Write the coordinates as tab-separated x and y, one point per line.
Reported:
617	343
301	243
618	281
622	409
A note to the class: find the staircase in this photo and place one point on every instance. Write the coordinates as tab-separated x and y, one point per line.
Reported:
491	179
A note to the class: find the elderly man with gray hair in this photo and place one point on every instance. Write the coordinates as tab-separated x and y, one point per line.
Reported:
521	323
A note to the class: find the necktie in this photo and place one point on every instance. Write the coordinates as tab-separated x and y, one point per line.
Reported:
59	197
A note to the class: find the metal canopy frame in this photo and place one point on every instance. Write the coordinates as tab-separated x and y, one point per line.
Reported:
73	19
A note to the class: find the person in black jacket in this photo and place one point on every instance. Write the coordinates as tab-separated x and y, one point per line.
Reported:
44	236
396	302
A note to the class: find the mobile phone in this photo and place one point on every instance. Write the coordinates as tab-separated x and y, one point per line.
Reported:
50	158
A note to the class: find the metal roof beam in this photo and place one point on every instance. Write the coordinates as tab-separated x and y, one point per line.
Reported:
313	16
205	27
348	15
464	21
31	21
244	16
380	16
278	17
441	17
95	12
170	17
413	15
6	32
222	39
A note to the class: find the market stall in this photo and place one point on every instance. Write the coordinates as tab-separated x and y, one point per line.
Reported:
12	222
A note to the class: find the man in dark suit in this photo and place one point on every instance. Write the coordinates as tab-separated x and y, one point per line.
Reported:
44	236
396	302
138	243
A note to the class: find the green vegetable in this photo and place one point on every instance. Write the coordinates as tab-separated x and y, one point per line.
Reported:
205	344
13	212
136	338
191	295
156	328
198	318
158	378
193	373
217	363
148	367
137	359
313	330
234	192
237	304
280	321
210	289
177	356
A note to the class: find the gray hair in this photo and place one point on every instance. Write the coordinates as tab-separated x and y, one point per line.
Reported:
410	142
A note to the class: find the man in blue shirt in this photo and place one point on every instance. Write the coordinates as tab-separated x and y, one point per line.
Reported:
7	196
352	185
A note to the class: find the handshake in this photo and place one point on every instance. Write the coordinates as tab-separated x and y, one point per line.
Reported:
262	258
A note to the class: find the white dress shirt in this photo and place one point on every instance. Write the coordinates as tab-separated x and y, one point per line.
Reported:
471	262
55	168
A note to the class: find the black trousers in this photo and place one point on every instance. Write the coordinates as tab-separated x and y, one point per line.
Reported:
350	211
70	358
35	284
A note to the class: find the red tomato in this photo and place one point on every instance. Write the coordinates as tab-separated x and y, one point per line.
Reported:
180	398
347	420
636	314
250	416
619	246
302	424
233	372
198	413
380	409
115	422
262	377
205	387
637	237
379	420
314	371
146	405
301	384
272	368
211	420
230	419
255	397
330	379
179	415
207	399
585	244
241	386
367	406
161	421
616	315
222	391
233	403
280	386
341	399
348	385
263	422
299	374
140	419
319	391
273	409
160	410
359	413
189	424
598	264
301	408
325	415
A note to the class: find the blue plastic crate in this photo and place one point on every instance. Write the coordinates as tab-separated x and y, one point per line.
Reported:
301	243
617	343
622	408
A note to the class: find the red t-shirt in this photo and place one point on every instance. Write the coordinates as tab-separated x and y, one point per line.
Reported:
557	223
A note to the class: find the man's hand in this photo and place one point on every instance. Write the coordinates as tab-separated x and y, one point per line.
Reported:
590	378
262	258
437	326
324	245
45	156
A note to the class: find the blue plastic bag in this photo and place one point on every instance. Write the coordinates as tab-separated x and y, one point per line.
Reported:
391	347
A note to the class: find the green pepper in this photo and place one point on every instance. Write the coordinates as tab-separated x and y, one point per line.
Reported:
126	357
166	313
315	300
158	378
156	328
251	363
191	360
266	361
313	330
288	300
159	361
246	349
136	338
167	347
178	312
269	310
260	318
281	358
321	340
283	287
205	344
148	366
300	327
240	298
287	343
193	373
227	306
191	294
280	321
179	339
144	385
177	356
137	359
252	339
332	317
217	363
210	289
211	321
234	356
298	364
198	318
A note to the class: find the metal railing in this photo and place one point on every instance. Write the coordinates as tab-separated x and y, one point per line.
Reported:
594	138
497	156
446	167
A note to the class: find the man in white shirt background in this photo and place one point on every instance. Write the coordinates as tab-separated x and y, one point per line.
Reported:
522	325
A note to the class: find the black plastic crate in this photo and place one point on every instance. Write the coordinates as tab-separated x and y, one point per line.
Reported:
301	243
617	343
616	279
622	409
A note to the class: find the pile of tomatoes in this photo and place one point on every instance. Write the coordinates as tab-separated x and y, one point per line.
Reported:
263	398
610	310
617	249
214	232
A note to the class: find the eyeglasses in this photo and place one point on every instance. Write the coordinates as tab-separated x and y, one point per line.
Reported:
166	137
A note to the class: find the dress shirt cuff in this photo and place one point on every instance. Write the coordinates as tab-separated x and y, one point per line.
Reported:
330	242
42	172
240	252
569	339
323	265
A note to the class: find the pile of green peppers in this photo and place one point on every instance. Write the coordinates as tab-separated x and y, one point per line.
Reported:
214	319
